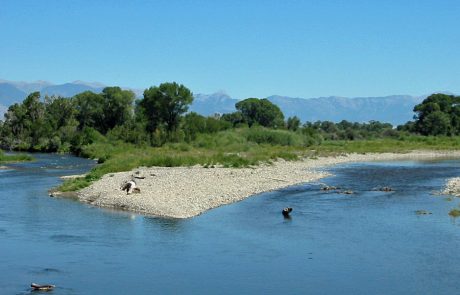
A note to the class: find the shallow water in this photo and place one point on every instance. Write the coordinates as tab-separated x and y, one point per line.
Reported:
370	242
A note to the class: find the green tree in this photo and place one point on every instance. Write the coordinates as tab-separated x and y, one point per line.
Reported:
436	123
14	131
117	107
293	123
235	118
260	111
59	111
438	114
193	124
90	110
164	105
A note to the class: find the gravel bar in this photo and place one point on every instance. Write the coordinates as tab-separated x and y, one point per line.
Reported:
184	192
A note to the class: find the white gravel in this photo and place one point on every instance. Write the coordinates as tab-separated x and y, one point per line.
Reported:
184	192
453	187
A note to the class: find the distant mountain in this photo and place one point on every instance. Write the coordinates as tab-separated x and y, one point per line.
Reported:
12	91
210	104
27	87
3	110
69	89
10	94
396	109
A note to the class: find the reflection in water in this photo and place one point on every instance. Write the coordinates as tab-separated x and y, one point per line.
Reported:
164	224
46	271
368	242
69	239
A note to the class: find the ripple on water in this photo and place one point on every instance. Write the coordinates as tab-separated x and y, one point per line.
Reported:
45	271
69	239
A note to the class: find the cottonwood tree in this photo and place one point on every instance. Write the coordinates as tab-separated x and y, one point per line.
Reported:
163	105
117	107
438	114
293	123
260	111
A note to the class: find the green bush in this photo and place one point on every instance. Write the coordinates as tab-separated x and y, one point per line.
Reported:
273	137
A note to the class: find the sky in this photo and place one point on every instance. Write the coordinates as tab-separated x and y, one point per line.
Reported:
244	48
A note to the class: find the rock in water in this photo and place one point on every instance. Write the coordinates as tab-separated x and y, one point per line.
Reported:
286	211
39	287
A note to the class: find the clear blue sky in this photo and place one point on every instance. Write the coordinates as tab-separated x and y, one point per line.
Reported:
246	48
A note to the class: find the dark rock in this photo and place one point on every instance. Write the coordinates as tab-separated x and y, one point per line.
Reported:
422	212
329	188
386	189
286	211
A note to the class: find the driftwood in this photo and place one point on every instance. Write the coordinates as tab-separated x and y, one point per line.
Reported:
39	287
128	186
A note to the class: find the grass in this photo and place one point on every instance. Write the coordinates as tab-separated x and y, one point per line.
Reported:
239	148
4	159
227	149
400	145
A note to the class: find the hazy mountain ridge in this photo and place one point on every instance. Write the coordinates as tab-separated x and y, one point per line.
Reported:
210	104
68	89
12	91
395	109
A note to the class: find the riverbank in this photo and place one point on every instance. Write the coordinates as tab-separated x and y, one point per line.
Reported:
13	158
183	192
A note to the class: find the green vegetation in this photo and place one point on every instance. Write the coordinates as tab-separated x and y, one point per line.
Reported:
261	112
454	213
13	158
124	133
438	114
165	105
402	144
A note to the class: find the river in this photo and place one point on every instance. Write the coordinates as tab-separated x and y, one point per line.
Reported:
369	242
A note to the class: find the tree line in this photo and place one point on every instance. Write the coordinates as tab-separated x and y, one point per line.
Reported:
438	114
61	124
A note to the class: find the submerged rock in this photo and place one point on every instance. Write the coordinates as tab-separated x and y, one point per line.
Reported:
454	213
329	188
422	212
386	189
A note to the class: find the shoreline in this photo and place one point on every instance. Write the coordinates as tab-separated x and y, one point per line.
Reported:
185	192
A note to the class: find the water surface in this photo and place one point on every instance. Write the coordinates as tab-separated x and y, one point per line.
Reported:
370	242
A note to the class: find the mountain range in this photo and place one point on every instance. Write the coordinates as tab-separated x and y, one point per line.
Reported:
395	109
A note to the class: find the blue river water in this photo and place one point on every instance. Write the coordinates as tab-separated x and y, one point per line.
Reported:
369	242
